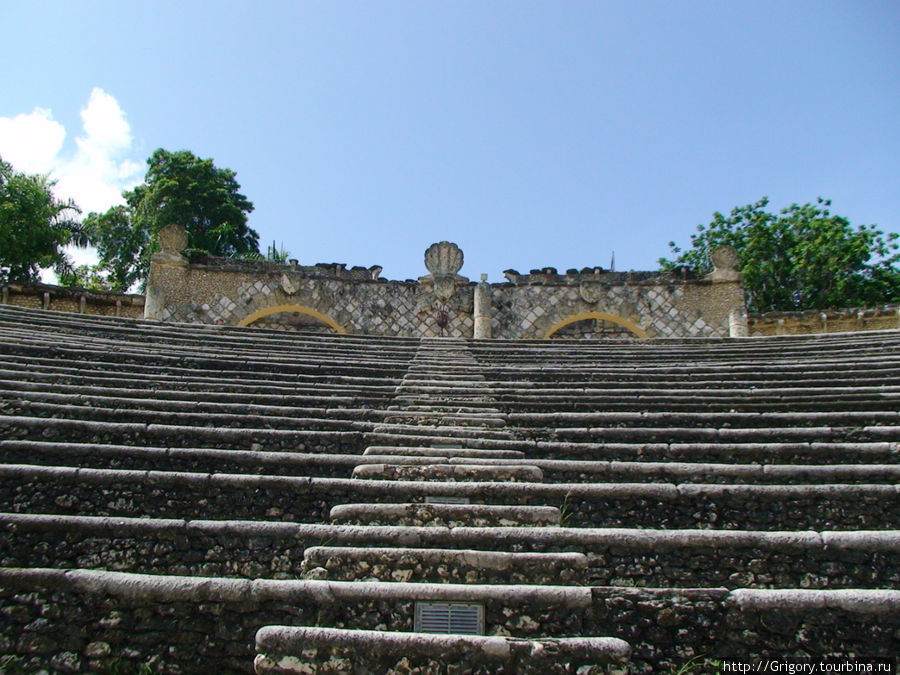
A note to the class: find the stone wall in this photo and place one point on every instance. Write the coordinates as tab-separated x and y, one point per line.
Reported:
77	300
441	303
332	298
275	550
68	490
827	321
111	622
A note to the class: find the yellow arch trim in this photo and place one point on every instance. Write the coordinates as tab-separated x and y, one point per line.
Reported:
300	309
630	325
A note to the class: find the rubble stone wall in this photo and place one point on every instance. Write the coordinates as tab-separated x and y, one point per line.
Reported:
76	300
442	303
110	622
276	550
828	321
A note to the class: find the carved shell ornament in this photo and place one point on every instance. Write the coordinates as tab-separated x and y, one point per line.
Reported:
443	259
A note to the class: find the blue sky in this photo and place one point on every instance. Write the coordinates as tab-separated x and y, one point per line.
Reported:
530	133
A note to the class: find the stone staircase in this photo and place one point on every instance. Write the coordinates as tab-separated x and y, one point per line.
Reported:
169	490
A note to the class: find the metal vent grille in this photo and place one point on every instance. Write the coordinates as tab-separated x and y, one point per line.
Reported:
462	618
446	500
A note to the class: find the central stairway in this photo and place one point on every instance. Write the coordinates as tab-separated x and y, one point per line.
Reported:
443	396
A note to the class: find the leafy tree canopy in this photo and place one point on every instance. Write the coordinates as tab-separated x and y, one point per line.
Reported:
34	226
803	257
123	248
183	189
178	188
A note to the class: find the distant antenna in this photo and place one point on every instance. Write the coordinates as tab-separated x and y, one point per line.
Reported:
612	262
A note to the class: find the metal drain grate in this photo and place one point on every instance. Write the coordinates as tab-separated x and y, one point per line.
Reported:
446	500
463	618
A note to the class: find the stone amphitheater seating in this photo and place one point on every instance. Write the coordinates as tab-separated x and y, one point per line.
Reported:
207	499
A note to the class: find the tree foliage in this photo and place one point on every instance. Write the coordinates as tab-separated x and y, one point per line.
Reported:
122	246
803	257
34	226
178	188
183	189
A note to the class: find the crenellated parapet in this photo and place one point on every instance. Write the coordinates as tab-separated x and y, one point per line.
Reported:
592	302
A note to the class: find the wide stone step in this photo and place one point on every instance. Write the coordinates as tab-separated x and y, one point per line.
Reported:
478	403
448	419
233	420
728	624
172	435
808	434
616	557
439	451
444	371
462	410
449	432
161	494
290	463
149	400
213	383
635	405
763	451
116	356
451	472
163	394
445	390
434	565
700	472
591	422
438	381
445	515
306	649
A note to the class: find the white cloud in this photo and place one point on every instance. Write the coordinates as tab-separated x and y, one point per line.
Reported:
31	142
101	166
95	174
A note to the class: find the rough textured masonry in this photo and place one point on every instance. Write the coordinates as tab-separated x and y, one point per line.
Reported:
442	303
195	498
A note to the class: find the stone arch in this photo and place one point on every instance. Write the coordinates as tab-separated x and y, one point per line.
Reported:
300	309
603	316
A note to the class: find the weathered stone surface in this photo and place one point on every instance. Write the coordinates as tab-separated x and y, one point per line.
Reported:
440	303
458	472
447	565
204	461
284	649
445	515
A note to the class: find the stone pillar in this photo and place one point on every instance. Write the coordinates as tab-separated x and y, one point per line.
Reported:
168	268
729	291
482	309
737	323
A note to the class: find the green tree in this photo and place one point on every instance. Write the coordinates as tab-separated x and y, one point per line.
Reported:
34	226
183	189
803	257
122	246
179	188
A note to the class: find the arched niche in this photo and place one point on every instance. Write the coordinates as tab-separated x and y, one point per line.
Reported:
603	316
299	309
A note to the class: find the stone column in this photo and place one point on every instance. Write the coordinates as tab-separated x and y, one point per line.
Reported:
167	277
729	290
482	309
737	323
